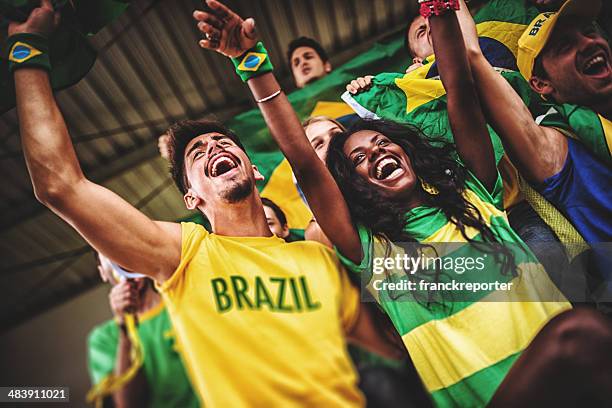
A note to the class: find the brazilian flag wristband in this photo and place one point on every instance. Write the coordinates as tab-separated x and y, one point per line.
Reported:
28	50
253	63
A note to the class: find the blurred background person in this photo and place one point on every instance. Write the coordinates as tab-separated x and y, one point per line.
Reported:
162	380
308	61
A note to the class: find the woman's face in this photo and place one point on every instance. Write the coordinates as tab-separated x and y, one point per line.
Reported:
319	135
381	163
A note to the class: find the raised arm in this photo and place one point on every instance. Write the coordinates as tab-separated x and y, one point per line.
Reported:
538	152
464	111
230	35
106	221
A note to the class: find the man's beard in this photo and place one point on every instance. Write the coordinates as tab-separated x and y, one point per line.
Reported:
238	191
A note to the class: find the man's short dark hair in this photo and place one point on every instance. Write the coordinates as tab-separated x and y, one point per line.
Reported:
306	42
407	46
183	132
279	213
538	69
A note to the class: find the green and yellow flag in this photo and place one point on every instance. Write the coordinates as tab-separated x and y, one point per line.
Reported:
419	98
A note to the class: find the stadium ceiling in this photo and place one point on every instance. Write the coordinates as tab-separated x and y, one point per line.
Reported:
149	73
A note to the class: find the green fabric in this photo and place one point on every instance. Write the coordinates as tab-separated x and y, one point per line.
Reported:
581	123
295	235
164	371
510	11
462	394
409	310
387	55
387	101
71	54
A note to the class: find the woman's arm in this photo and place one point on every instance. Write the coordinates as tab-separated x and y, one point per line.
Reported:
227	33
464	111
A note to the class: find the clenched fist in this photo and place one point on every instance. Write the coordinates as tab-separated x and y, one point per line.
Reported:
124	298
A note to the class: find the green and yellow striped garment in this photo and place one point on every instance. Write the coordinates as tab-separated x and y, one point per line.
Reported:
463	344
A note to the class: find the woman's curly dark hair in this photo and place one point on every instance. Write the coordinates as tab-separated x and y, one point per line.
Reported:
433	162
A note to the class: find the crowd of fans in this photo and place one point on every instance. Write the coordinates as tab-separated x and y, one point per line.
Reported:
260	314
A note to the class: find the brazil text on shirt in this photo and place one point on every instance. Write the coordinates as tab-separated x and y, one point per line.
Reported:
463	347
262	322
292	294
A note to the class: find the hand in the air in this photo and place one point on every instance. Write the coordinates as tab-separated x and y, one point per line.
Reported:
225	31
42	20
360	84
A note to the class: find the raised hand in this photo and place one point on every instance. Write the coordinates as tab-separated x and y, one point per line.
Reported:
225	31
42	20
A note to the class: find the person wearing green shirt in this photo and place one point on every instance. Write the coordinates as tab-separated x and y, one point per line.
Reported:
162	380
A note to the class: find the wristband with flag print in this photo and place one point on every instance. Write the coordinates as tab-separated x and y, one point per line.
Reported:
253	63
28	50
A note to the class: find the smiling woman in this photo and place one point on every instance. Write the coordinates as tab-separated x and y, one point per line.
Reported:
387	169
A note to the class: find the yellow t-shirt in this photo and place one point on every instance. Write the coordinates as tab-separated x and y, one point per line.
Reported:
261	322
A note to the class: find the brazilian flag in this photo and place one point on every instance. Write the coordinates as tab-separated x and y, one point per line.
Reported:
71	54
318	98
419	98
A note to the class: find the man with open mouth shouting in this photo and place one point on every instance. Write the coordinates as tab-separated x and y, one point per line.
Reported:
565	153
261	322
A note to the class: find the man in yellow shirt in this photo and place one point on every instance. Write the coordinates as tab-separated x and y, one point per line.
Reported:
261	322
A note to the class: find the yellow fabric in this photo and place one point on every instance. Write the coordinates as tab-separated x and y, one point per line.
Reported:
238	351
504	32
112	382
297	213
512	185
564	230
331	109
450	232
607	128
469	331
419	94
